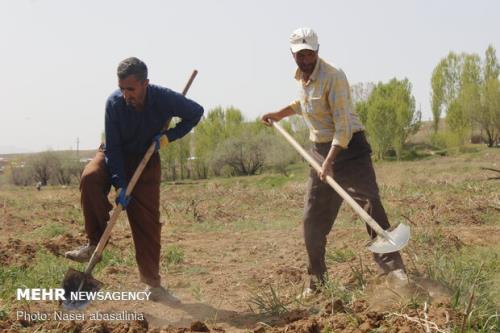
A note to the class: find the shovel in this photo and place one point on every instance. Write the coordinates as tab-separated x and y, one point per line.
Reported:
386	241
75	281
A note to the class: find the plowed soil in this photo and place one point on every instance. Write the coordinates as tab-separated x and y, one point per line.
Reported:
242	239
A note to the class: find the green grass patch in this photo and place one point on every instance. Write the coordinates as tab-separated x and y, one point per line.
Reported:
47	271
430	237
51	230
473	276
195	270
333	289
340	255
270	302
173	255
113	256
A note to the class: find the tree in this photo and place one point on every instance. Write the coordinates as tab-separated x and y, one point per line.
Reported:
278	153
362	111
489	117
219	125
464	108
381	120
360	92
437	94
390	116
445	83
467	94
407	118
242	154
67	170
491	67
20	175
44	166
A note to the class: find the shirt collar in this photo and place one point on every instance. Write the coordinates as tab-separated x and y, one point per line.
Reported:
314	74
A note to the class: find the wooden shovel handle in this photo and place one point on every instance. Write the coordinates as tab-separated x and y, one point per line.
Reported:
116	212
357	208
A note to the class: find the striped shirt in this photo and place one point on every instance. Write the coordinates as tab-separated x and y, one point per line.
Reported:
326	105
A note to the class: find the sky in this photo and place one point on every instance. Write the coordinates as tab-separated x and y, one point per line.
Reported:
58	58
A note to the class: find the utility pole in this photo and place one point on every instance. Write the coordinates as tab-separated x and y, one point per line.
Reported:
77	147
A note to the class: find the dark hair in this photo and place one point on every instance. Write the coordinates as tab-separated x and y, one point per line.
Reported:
132	66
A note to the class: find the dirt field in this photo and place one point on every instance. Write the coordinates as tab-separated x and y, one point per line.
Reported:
233	253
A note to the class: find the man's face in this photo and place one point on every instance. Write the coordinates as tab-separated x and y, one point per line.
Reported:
306	60
133	90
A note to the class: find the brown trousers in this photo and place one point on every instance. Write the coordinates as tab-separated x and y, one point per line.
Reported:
143	210
353	171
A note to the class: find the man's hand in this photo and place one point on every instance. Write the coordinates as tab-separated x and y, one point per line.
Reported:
160	141
326	170
268	118
121	199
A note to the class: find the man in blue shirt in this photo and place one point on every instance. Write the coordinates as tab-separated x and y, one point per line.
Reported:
135	116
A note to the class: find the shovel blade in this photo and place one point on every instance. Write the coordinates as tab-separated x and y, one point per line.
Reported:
399	236
75	281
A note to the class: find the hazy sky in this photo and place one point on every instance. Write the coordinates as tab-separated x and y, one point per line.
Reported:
58	57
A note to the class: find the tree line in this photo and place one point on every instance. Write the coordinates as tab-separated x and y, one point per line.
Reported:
46	168
224	144
465	89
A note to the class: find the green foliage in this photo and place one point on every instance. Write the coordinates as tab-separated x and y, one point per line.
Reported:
173	255
469	95
46	271
113	256
333	288
278	153
390	116
51	230
43	166
341	255
465	272
437	94
20	176
241	155
48	167
489	117
362	111
218	125
270	302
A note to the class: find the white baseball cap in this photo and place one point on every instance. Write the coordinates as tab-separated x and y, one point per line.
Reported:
304	38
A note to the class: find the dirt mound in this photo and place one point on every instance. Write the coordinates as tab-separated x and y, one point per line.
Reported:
15	252
290	274
62	243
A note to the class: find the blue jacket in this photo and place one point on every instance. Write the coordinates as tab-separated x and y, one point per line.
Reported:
131	132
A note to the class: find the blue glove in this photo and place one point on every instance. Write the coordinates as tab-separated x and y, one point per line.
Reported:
121	199
160	141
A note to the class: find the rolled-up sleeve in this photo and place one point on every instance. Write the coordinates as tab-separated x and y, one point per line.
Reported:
295	106
339	98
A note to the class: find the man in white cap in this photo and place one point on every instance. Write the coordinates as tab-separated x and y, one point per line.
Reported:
340	145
